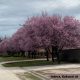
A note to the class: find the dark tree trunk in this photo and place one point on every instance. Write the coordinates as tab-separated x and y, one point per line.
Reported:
23	53
56	53
34	54
18	53
58	57
52	53
8	52
29	54
47	55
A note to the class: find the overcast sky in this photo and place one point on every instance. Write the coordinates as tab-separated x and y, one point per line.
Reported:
15	12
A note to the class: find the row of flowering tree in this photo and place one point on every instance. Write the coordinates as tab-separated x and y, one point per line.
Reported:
52	33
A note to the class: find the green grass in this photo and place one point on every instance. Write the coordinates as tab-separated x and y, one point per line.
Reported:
28	63
2	59
28	76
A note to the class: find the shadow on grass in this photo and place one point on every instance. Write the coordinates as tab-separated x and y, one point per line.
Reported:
31	63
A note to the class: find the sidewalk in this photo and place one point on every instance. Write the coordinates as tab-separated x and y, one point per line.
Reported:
7	75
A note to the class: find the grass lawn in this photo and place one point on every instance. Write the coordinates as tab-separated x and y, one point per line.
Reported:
29	63
2	59
28	76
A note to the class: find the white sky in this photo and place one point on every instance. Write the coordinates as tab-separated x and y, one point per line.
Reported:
15	12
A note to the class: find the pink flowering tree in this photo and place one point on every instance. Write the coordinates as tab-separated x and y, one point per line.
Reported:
7	46
4	45
48	32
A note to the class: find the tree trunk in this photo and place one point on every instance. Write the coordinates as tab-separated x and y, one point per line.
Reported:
34	54
57	52
29	54
47	55
52	53
23	53
58	57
